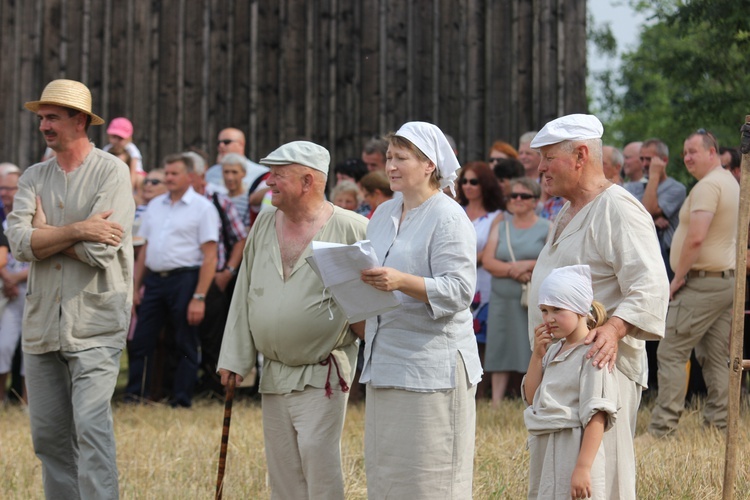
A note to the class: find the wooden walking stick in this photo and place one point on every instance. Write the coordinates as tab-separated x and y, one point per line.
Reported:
738	320
225	435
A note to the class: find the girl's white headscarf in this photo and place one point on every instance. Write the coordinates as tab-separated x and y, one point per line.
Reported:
568	288
431	141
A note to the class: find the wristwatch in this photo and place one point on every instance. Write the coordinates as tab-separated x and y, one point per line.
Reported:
231	269
199	296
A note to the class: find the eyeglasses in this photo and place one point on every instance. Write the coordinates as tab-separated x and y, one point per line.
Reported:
523	196
473	182
494	160
153	182
226	142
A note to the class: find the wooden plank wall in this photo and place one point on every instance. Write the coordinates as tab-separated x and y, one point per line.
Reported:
332	71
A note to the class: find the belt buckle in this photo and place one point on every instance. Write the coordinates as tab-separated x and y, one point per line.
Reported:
163	274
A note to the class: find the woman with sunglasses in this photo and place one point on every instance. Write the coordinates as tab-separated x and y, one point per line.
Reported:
510	263
480	195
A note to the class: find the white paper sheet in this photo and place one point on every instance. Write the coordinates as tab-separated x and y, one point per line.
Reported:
339	268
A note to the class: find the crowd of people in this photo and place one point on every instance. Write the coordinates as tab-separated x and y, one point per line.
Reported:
546	267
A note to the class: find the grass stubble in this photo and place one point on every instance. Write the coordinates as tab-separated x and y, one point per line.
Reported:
166	453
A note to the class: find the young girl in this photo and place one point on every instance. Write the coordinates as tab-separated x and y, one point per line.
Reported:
574	403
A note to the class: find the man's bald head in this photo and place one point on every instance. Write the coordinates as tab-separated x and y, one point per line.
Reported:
231	140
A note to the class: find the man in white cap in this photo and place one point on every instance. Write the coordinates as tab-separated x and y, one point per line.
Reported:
281	309
602	225
71	219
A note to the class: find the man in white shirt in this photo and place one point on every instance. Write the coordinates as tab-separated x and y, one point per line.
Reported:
176	266
605	227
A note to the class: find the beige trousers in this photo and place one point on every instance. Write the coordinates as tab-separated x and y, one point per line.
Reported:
420	445
699	317
302	432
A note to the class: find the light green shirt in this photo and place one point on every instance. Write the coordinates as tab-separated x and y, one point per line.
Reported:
295	324
74	305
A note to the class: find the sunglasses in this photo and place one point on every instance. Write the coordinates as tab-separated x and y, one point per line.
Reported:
523	196
494	160
711	138
226	141
473	182
153	182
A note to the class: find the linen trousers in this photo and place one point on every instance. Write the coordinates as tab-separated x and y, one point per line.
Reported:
619	450
302	433
699	317
420	445
71	421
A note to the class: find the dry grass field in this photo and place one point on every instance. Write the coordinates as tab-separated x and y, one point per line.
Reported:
166	453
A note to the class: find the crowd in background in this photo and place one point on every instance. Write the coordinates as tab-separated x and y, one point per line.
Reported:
501	195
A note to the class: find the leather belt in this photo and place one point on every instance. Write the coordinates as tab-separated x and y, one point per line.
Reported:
172	272
729	273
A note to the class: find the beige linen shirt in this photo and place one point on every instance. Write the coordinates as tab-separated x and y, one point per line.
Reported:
616	237
295	324
74	305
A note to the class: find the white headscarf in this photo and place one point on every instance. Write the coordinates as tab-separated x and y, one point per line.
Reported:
431	141
568	288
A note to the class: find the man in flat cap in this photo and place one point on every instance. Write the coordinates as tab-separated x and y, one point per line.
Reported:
602	225
71	219
281	309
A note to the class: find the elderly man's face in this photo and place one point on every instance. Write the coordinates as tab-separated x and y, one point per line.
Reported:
285	184
558	170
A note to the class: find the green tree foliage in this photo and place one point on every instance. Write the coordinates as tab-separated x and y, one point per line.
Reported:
691	70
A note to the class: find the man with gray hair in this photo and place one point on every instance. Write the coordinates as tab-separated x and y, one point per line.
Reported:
612	164
605	227
528	157
661	195
281	309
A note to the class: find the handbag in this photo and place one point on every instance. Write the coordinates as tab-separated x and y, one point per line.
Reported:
524	286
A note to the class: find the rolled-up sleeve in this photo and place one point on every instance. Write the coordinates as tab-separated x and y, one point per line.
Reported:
453	262
627	242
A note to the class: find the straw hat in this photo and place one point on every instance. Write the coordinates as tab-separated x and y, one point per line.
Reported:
67	93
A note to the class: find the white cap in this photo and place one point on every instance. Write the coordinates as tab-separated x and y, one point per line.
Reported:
576	127
304	153
568	288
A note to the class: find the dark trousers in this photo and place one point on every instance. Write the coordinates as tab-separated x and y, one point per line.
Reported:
165	297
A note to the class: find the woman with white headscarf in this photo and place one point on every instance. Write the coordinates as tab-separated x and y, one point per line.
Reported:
421	362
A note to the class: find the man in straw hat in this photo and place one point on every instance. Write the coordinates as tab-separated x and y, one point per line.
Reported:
71	219
281	309
604	226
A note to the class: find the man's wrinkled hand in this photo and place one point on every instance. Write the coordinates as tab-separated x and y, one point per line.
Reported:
604	350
